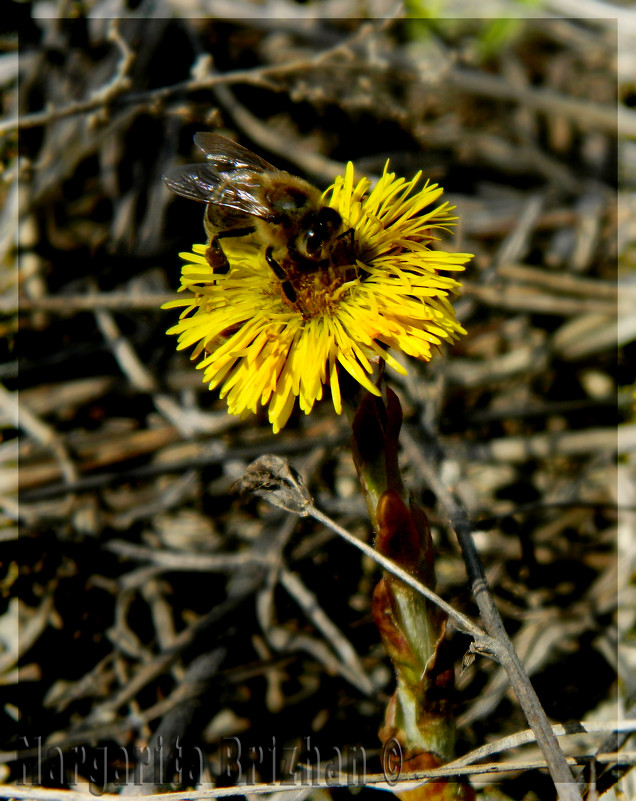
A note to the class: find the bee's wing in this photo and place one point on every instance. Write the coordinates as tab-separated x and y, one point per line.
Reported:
228	156
237	190
231	176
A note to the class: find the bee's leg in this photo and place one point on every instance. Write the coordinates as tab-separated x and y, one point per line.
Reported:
214	253
290	292
352	243
288	289
273	264
216	258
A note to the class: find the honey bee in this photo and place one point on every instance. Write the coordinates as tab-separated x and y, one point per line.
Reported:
304	239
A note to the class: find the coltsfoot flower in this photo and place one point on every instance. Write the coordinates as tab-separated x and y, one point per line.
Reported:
262	346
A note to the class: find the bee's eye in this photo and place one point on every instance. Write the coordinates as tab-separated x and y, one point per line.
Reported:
313	240
327	222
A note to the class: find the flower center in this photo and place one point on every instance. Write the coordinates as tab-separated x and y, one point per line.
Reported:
316	292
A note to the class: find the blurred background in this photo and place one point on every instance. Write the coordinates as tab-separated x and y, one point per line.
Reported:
150	599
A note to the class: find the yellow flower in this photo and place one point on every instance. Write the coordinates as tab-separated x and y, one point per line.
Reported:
261	350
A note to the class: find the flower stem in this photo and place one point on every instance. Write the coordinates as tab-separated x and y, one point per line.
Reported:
419	715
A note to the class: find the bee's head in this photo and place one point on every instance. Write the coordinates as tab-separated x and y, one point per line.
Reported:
319	232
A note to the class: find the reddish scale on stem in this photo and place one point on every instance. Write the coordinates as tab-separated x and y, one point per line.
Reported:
404	536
